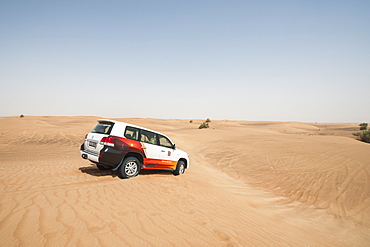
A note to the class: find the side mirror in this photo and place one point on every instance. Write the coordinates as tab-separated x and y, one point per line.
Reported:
174	146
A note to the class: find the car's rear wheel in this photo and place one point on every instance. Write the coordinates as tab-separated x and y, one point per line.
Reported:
130	167
180	168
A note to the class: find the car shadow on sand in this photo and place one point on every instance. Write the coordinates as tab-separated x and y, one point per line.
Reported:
94	171
156	172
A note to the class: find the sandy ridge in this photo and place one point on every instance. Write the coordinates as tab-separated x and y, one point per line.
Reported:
251	184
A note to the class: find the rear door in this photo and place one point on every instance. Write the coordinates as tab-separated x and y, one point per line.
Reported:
148	140
92	141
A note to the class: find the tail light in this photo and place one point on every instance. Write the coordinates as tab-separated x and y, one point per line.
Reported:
107	141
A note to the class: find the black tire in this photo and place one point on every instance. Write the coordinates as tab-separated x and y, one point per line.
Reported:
102	168
130	167
180	168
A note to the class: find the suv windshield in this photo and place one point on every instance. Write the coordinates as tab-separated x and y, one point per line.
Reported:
103	128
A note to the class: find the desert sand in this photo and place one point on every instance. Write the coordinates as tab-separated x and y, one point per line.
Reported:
249	184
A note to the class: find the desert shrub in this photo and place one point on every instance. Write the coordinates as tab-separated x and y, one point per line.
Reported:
363	126
204	125
191	121
208	120
363	136
21	116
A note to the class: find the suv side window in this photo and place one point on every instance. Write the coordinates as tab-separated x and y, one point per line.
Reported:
165	142
132	133
148	137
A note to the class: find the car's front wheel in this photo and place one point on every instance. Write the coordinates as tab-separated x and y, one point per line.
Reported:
180	168
130	167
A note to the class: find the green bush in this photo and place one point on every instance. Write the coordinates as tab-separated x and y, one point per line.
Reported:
203	125
363	136
191	121
21	116
208	120
363	126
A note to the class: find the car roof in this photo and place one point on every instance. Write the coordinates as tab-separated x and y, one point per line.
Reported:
132	125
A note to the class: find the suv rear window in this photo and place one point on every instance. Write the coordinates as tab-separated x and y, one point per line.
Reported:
103	128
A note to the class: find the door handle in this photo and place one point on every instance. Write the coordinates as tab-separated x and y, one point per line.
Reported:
163	151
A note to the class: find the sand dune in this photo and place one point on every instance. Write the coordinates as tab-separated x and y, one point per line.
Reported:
250	184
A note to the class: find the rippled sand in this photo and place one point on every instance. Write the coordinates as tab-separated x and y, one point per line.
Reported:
250	184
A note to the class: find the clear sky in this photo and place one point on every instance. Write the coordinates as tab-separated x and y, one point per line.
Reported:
249	60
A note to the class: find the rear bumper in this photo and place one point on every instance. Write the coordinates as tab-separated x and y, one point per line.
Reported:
89	155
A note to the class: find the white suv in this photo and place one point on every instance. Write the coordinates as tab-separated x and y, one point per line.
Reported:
128	148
